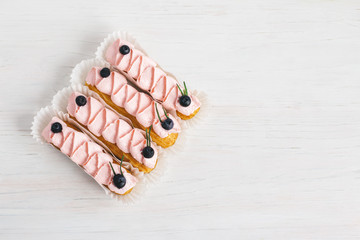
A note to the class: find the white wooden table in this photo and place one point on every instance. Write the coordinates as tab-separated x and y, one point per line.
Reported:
277	158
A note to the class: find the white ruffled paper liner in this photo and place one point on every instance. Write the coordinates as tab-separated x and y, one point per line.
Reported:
42	119
101	51
60	102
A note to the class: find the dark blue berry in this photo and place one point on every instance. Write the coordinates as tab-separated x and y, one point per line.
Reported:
124	49
80	101
119	180
105	72
185	100
56	127
148	152
167	124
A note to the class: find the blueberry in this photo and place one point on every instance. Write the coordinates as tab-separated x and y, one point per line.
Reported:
148	152
56	127
167	124
124	49
119	180
80	101
185	100
105	72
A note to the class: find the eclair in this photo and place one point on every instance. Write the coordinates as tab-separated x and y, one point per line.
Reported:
139	107
148	76
90	156
116	133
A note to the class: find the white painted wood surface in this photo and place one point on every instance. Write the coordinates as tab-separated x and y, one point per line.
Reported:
277	158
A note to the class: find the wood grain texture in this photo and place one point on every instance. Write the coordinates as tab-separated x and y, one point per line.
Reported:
277	157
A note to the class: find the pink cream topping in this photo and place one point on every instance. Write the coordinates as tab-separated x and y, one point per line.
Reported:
149	77
87	154
138	104
102	121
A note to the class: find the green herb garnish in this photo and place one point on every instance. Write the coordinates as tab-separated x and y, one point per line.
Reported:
122	158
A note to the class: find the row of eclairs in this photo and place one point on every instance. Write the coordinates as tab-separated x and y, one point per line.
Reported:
135	109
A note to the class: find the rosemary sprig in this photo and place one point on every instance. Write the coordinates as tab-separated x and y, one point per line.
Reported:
182	94
157	112
122	159
149	137
147	144
120	166
112	168
165	113
186	91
